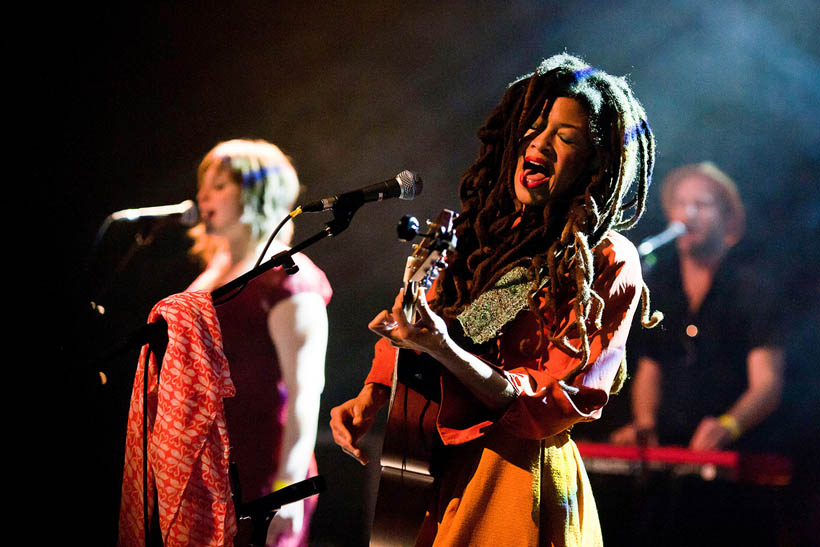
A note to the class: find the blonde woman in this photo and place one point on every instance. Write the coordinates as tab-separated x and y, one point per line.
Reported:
274	331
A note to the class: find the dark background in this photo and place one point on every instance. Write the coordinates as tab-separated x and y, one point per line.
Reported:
129	100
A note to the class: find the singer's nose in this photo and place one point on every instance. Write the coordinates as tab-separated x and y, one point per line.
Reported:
541	142
201	195
683	211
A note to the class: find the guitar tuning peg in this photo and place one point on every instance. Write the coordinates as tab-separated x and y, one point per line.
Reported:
408	228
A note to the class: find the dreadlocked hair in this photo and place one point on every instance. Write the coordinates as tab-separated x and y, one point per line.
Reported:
555	241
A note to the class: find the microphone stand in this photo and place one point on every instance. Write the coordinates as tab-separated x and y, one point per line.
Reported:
142	240
343	213
262	510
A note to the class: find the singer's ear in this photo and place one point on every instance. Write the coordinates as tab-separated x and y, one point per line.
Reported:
593	170
595	163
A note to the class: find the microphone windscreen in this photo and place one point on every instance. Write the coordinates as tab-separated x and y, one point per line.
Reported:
410	183
190	217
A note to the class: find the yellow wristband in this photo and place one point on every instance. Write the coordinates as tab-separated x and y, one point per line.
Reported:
279	484
730	423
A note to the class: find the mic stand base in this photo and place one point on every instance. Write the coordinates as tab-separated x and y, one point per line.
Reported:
261	511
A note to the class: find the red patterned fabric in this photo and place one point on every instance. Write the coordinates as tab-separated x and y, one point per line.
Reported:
188	439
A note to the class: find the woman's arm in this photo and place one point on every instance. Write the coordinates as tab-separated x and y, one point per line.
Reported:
298	328
551	396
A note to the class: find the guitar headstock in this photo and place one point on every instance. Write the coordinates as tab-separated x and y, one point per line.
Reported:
430	254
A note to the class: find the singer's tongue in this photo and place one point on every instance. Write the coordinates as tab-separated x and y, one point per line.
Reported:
533	181
534	175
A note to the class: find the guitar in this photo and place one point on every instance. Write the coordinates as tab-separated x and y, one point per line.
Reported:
410	433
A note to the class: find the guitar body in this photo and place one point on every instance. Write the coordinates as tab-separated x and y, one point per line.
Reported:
410	437
409	443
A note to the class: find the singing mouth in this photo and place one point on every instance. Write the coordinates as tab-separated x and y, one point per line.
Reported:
535	172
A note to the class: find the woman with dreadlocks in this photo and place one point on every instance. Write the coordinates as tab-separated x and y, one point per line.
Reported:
530	320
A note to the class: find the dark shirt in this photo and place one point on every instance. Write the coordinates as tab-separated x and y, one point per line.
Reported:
704	370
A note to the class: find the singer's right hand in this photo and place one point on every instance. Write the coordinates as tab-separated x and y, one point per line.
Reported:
352	419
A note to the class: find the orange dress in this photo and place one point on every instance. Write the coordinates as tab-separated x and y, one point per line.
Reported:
517	478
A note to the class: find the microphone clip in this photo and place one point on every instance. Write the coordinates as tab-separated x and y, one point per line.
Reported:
343	211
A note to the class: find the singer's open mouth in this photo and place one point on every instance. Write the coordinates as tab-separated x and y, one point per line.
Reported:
535	172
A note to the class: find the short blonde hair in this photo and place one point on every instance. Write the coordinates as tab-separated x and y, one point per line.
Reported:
725	190
268	181
267	177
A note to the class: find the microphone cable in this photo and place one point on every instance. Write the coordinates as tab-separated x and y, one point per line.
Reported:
293	214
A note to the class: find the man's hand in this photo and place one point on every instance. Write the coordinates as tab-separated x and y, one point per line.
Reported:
631	434
710	435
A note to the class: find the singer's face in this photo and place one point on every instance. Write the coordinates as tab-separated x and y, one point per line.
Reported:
560	151
695	203
220	200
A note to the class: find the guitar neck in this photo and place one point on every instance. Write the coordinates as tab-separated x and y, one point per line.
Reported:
412	292
410	434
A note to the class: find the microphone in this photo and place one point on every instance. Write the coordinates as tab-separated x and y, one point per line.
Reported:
188	210
672	232
405	185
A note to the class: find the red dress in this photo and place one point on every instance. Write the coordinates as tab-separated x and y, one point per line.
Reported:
257	414
517	479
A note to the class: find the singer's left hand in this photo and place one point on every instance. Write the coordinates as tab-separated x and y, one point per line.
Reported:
427	334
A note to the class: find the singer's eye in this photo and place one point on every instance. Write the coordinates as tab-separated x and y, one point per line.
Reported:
532	133
539	123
